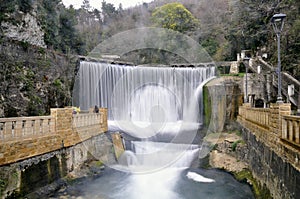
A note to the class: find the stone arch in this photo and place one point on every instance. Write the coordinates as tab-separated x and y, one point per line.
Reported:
152	38
259	103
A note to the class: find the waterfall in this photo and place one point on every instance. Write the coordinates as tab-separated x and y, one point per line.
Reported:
161	108
142	95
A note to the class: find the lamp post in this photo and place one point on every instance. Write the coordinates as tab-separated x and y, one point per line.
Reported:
278	23
246	59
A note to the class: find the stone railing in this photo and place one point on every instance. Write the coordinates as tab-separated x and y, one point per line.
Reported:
259	116
291	129
86	120
23	127
88	124
26	137
287	80
276	128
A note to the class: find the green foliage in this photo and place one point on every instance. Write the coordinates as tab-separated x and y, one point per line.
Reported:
25	5
57	83
109	12
70	41
174	16
234	144
49	18
207	106
33	107
24	45
6	7
211	45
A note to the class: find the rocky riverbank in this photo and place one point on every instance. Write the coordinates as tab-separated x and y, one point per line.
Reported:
229	153
223	154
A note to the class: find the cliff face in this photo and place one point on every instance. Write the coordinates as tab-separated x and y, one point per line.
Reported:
27	31
33	79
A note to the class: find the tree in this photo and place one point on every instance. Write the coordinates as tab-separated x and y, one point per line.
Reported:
109	12
25	5
174	16
86	5
70	41
48	15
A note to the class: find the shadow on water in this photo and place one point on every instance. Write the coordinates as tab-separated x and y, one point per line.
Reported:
114	184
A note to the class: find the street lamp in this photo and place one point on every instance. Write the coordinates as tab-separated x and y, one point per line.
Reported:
278	23
246	59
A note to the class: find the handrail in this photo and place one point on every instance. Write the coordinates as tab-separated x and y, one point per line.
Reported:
286	80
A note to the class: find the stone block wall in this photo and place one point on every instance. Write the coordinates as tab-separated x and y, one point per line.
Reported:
65	135
271	168
31	162
273	161
24	177
14	151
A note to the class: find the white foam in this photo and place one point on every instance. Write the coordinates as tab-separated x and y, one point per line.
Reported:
198	178
149	129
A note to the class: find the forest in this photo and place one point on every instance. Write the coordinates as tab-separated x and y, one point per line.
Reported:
222	27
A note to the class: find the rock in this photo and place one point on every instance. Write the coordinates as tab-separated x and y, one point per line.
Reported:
224	161
28	31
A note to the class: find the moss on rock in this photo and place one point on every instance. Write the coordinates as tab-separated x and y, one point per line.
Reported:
260	192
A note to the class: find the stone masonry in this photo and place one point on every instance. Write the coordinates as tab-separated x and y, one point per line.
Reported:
66	134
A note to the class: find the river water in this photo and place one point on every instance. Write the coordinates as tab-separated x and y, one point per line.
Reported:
160	110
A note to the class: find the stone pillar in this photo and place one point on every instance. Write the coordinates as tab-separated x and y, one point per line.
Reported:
276	112
103	119
274	118
269	86
234	67
118	144
284	109
63	125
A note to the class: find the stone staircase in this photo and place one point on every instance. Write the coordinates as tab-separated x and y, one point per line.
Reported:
287	80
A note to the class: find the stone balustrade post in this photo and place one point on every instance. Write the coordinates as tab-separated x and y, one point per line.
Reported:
63	120
284	109
274	119
277	111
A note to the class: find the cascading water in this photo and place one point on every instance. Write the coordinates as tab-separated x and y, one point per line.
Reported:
161	109
143	99
130	92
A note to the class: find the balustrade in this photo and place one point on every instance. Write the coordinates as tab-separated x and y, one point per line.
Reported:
87	120
291	129
259	116
21	127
